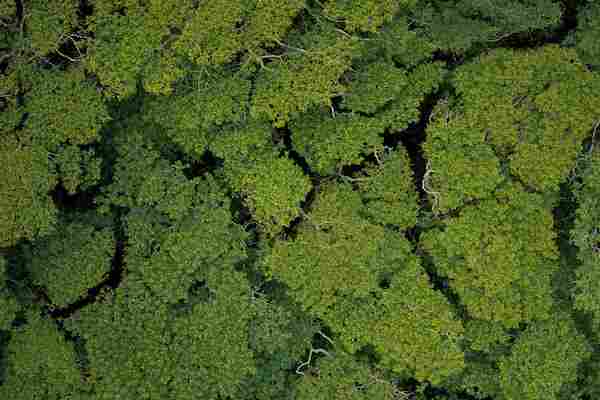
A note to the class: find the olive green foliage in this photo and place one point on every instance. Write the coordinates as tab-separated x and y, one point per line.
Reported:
77	169
339	377
217	99
8	304
366	15
63	107
177	227
279	335
424	79
300	199
41	363
543	358
499	256
337	262
459	24
588	28
78	253
539	107
26	210
307	77
272	185
586	236
49	23
213	337
462	166
387	190
374	86
328	143
126	335
210	36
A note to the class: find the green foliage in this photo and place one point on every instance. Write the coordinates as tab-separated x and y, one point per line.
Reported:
77	169
360	15
49	23
422	80
41	364
543	358
388	192
335	265
177	227
212	339
586	236
539	106
341	377
77	253
499	256
328	143
588	29
8	304
462	165
218	99
274	187
307	77
459	24
324	258
122	45
268	21
374	86
210	36
279	335
126	337
396	42
63	107
26	210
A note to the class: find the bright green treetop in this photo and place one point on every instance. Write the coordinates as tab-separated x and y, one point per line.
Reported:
586	236
340	376
306	77
539	106
388	191
544	358
499	256
328	143
41	364
26	209
462	166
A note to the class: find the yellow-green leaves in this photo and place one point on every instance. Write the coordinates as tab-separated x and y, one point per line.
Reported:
334	268
388	190
340	376
64	107
328	142
544	358
499	256
306	78
461	165
535	108
586	236
41	363
212	36
49	24
26	209
374	86
363	15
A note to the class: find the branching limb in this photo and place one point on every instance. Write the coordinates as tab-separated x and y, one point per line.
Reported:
426	189
307	362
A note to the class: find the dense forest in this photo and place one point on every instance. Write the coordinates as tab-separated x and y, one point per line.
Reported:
299	199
